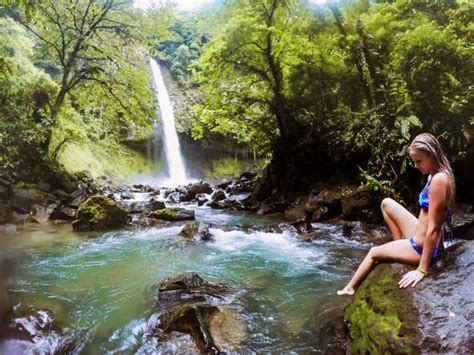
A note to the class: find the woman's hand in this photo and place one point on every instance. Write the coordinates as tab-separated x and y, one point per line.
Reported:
411	279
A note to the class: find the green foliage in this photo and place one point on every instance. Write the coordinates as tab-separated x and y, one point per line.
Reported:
24	110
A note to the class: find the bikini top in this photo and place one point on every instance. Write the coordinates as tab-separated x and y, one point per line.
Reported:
424	199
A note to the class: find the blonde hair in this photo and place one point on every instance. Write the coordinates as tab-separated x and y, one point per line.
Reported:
428	143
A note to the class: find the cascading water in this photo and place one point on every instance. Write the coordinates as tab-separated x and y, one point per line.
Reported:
176	169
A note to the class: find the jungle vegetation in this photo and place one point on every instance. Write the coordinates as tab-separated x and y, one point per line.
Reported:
320	91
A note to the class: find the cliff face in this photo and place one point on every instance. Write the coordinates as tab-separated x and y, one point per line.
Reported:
436	316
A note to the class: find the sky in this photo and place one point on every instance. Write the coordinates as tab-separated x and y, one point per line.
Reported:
189	5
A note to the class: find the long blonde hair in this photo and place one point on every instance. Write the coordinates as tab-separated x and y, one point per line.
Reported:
428	143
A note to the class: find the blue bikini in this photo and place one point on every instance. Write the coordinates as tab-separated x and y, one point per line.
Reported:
424	203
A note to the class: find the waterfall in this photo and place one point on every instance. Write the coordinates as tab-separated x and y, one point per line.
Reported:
176	169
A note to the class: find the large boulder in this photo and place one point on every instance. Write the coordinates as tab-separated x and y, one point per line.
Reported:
436	316
99	212
173	214
192	190
208	312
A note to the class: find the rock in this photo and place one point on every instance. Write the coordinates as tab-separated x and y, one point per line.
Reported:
247	174
43	186
23	200
326	204
296	211
204	233
173	197
77	201
99	212
272	207
194	189
224	183
201	309
136	207
436	316
201	199
155	205
64	213
463	223
127	195
155	193
38	329
190	283
190	230
84	176
6	214
61	195
363	204
173	214
218	195
218	205
6	308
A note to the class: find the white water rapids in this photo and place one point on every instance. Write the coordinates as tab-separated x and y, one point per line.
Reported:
176	169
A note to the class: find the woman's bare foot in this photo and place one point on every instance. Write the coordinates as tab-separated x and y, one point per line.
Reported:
346	291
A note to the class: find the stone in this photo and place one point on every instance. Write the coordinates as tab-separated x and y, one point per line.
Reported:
127	195
218	195
98	213
155	205
201	309
224	183
64	213
173	214
43	186
189	230
23	200
6	213
435	316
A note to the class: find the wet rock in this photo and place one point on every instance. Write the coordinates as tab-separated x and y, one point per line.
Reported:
224	183
153	204
218	195
61	195
6	309
218	205
6	213
201	199
173	214
324	205
363	204
64	213
99	212
463	222
173	197
192	190
23	200
136	207
296	211
155	193
201	309
127	195
36	331
194	229
43	186
78	200
190	283
436	316
272	207
190	230
84	176
247	174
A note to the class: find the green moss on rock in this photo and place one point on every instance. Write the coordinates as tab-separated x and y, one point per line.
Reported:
173	214
99	212
382	317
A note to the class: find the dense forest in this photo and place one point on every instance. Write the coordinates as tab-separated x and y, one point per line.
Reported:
333	91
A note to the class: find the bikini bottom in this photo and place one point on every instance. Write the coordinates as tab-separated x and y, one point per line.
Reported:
419	249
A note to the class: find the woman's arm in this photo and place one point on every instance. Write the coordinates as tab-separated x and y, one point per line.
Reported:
437	195
436	212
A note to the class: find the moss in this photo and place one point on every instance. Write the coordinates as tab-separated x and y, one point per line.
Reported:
99	212
382	317
173	214
105	157
165	213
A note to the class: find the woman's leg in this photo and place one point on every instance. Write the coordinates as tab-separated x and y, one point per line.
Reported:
397	250
399	220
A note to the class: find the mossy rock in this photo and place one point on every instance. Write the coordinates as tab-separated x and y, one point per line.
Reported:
99	212
382	318
173	214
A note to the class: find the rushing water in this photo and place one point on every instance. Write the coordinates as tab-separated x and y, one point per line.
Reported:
97	284
176	168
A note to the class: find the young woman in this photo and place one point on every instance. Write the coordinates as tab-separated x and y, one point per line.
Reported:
415	241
